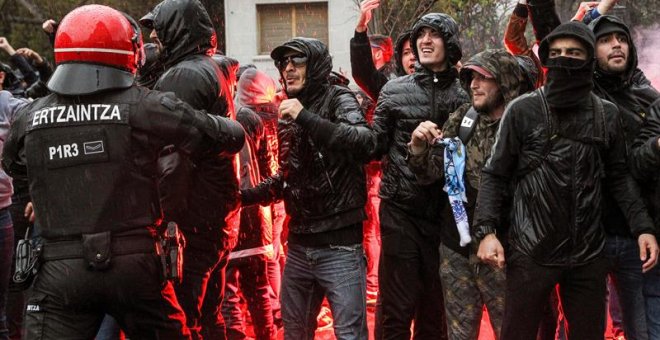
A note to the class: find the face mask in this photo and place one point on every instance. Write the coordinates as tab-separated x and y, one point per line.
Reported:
569	81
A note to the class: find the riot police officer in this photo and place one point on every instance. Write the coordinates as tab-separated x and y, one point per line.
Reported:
90	150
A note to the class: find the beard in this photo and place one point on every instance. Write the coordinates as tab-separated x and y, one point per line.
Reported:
613	69
490	104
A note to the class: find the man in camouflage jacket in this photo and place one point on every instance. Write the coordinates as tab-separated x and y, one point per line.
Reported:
493	79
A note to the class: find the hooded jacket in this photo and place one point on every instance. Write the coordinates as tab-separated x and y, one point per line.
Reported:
448	29
429	165
403	104
202	195
633	100
557	163
322	154
398	51
256	92
255	234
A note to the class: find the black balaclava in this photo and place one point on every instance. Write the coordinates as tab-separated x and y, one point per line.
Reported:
569	80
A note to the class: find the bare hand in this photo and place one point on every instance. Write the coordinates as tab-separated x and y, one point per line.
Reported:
30	54
5	46
49	26
583	8
290	108
366	7
648	251
424	135
605	5
29	212
491	251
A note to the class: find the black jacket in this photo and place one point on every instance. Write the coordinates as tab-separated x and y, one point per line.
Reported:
645	161
556	216
370	79
103	179
322	154
256	226
633	96
201	195
403	104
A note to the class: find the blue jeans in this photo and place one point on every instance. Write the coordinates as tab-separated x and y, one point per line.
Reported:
109	329
652	299
622	254
336	272
6	255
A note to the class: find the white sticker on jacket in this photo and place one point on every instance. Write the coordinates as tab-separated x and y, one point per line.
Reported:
467	122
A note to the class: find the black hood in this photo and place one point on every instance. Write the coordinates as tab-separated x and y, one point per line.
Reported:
319	65
183	27
604	25
11	83
152	69
448	29
398	51
573	29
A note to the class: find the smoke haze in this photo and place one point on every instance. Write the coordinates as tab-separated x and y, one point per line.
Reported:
647	41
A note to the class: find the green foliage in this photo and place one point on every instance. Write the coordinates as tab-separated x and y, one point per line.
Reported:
634	12
23	28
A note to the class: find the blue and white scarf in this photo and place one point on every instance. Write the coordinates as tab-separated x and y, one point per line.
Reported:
455	186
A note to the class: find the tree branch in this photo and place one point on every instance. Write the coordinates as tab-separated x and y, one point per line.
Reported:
34	10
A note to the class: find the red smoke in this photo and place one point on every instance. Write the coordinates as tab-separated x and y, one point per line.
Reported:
648	47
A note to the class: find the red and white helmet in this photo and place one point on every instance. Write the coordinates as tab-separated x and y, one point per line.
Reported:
97	48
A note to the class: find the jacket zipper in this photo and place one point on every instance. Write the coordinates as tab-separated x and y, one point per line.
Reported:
573	212
433	113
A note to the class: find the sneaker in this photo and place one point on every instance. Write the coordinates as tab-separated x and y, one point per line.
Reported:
372	297
324	319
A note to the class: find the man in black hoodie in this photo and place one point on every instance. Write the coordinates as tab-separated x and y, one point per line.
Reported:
324	144
410	212
198	198
616	80
558	147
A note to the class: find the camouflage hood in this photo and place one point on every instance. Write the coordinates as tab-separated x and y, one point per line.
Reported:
504	68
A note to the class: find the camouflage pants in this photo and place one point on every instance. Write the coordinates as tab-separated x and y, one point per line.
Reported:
467	287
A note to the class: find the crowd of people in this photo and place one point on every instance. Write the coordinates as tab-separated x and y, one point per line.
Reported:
165	191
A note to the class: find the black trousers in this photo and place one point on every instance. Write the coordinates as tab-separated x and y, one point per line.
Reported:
582	292
249	276
69	301
204	257
409	279
17	292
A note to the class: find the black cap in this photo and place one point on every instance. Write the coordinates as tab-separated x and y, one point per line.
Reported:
607	27
281	50
148	20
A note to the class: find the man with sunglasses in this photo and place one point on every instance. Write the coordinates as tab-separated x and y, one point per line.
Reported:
324	142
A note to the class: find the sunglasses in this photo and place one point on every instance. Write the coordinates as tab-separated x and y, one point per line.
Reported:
297	60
